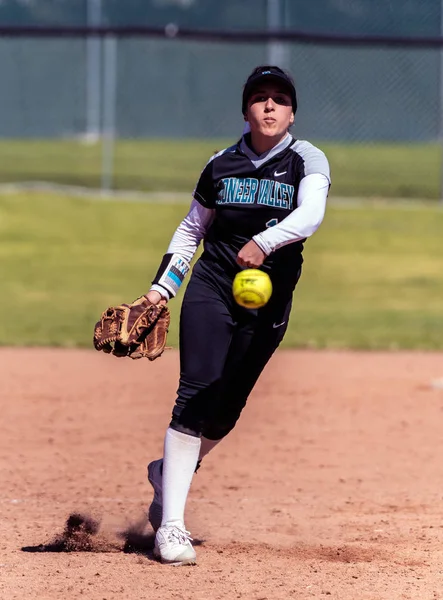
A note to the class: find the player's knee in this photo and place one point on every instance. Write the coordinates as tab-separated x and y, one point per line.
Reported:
217	431
222	421
186	421
182	428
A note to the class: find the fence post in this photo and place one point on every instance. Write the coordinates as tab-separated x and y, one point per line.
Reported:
277	53
109	111
93	72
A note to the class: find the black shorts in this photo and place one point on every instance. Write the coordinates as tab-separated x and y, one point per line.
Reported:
223	350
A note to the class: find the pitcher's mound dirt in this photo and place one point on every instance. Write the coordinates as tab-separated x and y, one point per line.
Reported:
330	486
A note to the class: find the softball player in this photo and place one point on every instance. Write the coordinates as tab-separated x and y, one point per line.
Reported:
254	206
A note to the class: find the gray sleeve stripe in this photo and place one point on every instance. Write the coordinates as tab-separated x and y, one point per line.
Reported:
314	159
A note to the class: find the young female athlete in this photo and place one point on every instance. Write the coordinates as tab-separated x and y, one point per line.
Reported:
254	205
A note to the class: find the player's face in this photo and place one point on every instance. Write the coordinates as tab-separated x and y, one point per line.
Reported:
269	112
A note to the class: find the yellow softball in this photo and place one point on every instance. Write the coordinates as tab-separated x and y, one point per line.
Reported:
252	288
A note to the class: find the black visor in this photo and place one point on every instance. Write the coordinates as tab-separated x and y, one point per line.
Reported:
268	74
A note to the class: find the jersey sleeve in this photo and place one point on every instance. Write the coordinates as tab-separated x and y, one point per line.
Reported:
204	192
315	161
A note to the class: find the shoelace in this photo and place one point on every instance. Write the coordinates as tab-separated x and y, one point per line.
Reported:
175	534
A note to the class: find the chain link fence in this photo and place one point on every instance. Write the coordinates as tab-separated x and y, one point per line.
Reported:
193	89
145	113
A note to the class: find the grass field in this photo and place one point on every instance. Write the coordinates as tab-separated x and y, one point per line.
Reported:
373	170
373	275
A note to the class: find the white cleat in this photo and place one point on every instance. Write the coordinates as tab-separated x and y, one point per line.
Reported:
155	478
173	546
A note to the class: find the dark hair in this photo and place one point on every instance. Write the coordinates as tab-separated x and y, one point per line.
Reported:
268	72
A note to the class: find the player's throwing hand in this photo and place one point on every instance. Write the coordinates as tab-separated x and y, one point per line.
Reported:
251	256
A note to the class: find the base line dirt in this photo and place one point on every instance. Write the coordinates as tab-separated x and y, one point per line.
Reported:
331	486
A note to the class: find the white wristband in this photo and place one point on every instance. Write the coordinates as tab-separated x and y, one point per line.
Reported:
173	273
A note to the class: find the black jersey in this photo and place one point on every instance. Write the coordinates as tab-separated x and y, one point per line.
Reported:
251	193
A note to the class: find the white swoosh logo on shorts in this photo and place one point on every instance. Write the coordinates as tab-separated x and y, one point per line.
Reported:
277	174
277	325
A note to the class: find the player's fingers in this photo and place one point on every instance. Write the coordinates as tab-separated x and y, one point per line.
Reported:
154	297
257	263
245	263
252	262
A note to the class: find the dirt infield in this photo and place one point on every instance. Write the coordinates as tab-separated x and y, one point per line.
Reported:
331	486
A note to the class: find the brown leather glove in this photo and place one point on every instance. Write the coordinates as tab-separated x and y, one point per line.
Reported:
137	330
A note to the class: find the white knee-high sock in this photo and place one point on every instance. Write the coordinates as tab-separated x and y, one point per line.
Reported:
206	446
179	461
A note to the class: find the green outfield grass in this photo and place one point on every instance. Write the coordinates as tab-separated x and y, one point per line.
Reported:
373	274
372	170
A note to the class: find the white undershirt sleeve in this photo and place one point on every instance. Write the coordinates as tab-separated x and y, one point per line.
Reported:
191	231
188	236
303	221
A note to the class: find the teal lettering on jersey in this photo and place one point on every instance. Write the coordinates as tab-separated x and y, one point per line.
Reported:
287	195
237	191
245	191
251	189
264	191
228	190
274	193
